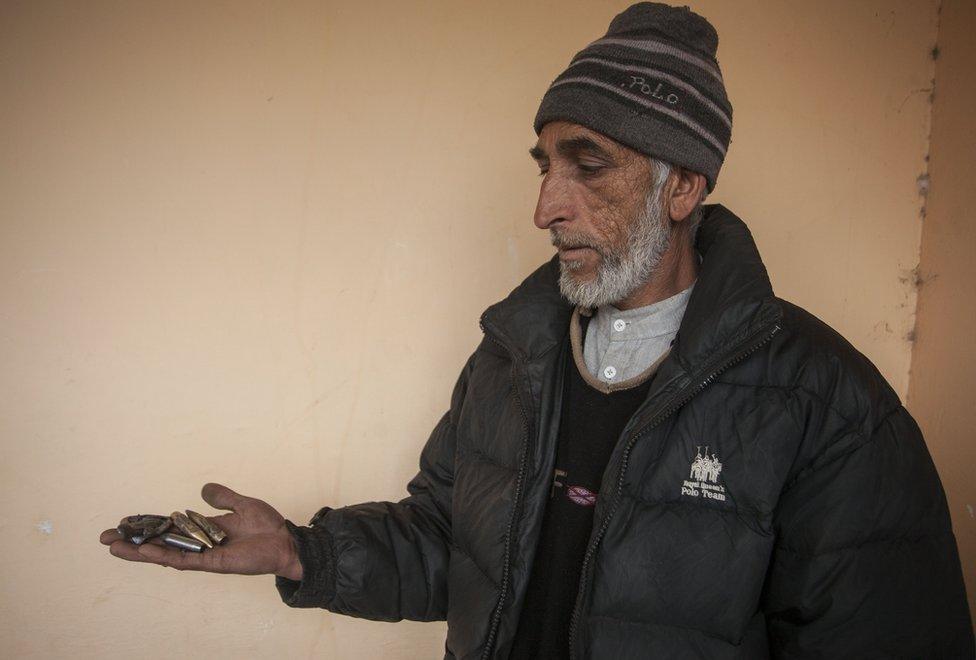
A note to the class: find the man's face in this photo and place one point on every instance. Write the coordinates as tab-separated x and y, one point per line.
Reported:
601	203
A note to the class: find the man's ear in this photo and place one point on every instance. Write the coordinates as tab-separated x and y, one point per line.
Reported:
686	192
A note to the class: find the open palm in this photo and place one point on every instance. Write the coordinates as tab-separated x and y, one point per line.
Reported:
257	542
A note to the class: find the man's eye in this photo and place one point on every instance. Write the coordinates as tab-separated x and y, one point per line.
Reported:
589	169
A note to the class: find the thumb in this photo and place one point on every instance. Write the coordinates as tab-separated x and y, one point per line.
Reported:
221	497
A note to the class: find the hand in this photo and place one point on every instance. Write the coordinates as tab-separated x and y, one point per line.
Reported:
258	542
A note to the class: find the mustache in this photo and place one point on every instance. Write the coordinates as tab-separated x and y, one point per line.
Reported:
570	240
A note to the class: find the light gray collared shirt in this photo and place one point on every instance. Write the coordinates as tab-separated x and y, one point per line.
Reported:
622	344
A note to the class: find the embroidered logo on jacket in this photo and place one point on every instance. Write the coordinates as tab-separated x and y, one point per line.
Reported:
703	479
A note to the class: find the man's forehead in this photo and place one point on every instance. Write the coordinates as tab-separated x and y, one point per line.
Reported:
564	136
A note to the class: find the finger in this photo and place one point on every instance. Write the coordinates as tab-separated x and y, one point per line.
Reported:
221	497
126	550
228	522
181	560
109	536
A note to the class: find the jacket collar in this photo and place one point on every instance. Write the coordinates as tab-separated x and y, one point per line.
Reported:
731	300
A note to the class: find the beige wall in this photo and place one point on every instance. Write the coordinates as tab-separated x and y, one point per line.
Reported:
943	376
249	242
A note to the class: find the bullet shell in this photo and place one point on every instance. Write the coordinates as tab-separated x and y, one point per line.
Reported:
215	533
141	528
190	528
182	542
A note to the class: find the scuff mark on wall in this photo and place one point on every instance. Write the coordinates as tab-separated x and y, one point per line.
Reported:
922	186
45	527
103	596
922	182
920	90
915	278
265	626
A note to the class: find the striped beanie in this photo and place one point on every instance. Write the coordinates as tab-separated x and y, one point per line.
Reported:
651	83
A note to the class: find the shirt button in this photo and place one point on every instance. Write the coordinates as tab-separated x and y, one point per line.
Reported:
619	325
610	372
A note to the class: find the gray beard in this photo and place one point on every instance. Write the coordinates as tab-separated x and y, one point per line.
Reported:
620	273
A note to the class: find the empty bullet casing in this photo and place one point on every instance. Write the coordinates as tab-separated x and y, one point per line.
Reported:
215	533
190	528
141	528
182	542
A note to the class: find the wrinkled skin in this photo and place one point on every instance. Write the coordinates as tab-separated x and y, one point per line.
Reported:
257	541
592	191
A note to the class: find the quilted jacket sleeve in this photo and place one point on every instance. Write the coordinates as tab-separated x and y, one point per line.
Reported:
865	564
385	561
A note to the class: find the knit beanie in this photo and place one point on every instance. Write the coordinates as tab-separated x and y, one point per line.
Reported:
653	84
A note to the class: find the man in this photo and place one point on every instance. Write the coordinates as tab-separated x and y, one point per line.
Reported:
649	454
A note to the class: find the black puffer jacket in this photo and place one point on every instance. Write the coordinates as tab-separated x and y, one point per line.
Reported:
770	498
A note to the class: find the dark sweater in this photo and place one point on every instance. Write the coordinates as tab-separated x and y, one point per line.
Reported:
589	426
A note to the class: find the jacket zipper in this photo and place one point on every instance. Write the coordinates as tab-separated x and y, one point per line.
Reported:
622	470
519	479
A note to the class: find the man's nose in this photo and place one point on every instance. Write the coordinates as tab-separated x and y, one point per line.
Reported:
555	202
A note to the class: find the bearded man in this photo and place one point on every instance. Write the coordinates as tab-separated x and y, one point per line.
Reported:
649	454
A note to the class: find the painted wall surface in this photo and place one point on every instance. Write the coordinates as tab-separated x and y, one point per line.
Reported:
943	374
249	242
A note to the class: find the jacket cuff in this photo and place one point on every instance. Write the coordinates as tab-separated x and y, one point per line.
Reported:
317	585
